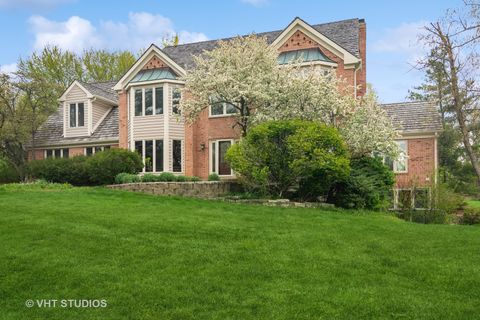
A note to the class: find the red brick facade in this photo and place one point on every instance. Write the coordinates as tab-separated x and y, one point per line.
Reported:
122	120
421	167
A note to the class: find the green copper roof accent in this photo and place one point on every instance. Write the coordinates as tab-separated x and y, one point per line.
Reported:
154	74
304	55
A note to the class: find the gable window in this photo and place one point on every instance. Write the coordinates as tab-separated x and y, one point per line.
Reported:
218	163
218	108
151	152
177	155
176	96
56	153
92	150
148	101
77	115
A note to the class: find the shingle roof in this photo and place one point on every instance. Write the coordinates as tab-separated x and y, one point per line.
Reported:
414	116
344	33
101	89
51	133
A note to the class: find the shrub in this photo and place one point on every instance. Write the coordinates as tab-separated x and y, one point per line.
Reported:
166	176
195	179
8	173
60	170
181	179
277	155
126	178
149	177
103	166
213	177
471	216
367	187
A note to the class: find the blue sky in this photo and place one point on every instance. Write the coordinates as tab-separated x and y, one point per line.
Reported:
392	27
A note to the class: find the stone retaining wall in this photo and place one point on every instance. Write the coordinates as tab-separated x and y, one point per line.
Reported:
200	189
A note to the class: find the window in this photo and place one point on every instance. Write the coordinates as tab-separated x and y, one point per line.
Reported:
401	164
218	164
92	150
77	115
218	108
159	100
412	198
56	153
177	155
138	102
176	96
147	103
153	161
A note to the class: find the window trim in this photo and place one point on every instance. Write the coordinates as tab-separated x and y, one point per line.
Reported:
53	153
154	154
93	149
395	162
182	159
76	114
217	154
224	113
154	100
396	194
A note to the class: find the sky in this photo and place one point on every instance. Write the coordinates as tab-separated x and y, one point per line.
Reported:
392	28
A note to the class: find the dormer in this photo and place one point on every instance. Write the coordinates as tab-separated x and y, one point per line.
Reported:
85	105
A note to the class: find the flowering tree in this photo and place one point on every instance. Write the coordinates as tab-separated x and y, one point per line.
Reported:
244	73
241	72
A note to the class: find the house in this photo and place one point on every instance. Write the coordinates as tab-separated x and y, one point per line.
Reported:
141	111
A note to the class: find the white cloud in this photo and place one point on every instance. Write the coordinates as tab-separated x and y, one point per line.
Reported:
256	3
402	39
28	4
138	32
8	68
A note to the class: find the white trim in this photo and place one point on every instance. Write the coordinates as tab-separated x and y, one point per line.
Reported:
166	128
90	116
53	152
224	114
75	83
149	83
217	154
299	24
151	51
85	103
435	157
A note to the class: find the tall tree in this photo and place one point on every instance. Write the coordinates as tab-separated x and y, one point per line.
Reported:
102	65
456	36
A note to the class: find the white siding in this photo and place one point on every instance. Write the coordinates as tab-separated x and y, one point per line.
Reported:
146	127
99	110
75	95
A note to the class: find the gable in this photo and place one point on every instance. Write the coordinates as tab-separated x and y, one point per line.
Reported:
154	63
300	35
75	91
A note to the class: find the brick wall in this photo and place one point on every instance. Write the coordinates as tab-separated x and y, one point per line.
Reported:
39	154
421	164
122	120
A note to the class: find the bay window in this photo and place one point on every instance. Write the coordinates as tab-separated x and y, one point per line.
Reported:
176	96
151	152
148	101
218	163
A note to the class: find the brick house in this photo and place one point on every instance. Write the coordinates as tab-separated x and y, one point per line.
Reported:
140	111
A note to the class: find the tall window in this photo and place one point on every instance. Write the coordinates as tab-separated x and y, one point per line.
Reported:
177	155
176	97
57	153
151	152
218	163
401	164
148	101
77	115
159	100
218	108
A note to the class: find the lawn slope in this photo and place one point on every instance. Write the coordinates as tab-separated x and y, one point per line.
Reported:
170	258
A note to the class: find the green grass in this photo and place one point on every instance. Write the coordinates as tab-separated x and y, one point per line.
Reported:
171	258
473	203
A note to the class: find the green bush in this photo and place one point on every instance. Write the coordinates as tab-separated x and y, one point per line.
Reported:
471	216
195	179
181	179
126	178
149	177
101	168
367	187
8	174
166	177
213	177
278	155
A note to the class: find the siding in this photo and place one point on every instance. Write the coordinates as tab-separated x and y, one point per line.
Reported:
147	127
99	110
75	95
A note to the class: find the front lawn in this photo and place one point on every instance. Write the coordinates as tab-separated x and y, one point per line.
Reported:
170	258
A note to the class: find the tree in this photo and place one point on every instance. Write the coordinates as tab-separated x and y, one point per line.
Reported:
101	65
276	155
241	72
456	37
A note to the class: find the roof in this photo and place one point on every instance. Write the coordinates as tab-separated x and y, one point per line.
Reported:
414	116
51	133
154	74
344	33
101	89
